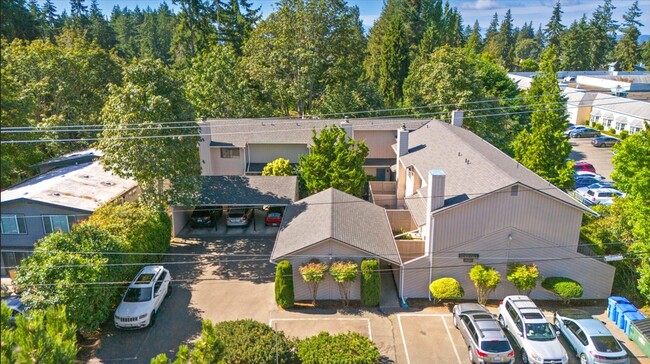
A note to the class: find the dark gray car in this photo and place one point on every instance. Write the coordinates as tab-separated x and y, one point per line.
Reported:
584	133
486	342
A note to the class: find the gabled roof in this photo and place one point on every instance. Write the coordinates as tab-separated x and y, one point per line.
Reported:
332	214
633	108
240	132
83	186
445	147
248	190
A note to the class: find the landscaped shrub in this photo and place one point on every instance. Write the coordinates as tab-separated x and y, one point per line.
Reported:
370	283
612	131
599	126
249	341
564	288
344	274
284	296
313	273
486	280
524	277
446	289
342	348
624	134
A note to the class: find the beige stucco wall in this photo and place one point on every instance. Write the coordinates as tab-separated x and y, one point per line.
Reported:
378	141
227	166
264	153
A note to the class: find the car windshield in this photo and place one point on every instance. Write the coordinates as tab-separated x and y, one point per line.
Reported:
274	214
138	295
496	346
540	332
606	344
235	215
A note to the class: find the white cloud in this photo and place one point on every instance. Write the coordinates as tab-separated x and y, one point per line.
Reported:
481	5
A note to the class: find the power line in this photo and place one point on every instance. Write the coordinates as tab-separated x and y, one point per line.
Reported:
283	119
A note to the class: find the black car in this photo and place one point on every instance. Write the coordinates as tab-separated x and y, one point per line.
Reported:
605	141
584	133
205	217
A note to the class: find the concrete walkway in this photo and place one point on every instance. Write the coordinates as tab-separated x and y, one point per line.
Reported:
389	298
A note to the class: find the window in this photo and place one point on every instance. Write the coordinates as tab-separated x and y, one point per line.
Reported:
62	223
229	152
13	224
620	126
514	190
607	123
634	129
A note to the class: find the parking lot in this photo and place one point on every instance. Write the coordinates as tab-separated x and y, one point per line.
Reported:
601	158
256	228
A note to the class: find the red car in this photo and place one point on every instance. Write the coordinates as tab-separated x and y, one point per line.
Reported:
584	166
273	216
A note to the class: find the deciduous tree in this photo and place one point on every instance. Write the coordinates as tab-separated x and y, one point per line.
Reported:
486	279
344	274
313	273
523	276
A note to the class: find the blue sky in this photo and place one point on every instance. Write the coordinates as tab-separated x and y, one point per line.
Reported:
539	11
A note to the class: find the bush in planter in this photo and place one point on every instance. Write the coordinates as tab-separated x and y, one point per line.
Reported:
284	296
370	283
524	277
446	289
250	341
564	288
342	348
612	131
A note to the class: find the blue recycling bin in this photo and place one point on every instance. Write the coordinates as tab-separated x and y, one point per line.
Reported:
611	306
621	309
629	318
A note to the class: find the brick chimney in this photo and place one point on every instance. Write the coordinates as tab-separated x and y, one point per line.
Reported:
457	118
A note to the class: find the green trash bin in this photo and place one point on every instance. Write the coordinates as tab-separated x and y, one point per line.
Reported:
640	334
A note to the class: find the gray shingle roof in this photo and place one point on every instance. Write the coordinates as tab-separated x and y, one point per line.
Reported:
439	145
337	215
239	132
248	190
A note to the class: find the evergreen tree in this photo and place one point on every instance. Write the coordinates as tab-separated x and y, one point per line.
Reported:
555	28
506	41
492	30
543	148
235	22
645	53
394	66
51	20
475	41
194	31
526	32
17	21
539	37
602	35
124	25
627	50
575	47
99	29
79	13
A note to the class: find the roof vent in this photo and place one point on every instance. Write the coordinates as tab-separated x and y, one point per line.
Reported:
85	176
56	194
108	183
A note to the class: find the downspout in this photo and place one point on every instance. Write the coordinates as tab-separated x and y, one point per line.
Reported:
429	237
401	286
247	150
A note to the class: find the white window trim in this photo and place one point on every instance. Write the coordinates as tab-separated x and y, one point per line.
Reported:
15	218
67	222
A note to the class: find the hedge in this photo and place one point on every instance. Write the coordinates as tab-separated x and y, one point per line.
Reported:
446	289
565	288
249	341
284	296
351	348
370	283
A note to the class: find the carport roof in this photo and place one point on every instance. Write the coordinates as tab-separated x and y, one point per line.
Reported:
332	214
248	190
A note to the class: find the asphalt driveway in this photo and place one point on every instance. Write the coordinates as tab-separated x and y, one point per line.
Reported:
226	278
601	158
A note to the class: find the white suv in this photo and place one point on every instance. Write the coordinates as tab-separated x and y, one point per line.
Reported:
143	298
534	334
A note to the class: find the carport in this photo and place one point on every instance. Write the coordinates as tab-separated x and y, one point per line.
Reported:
242	191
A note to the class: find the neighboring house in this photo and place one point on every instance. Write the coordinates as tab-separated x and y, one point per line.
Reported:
54	201
69	159
620	113
333	225
244	146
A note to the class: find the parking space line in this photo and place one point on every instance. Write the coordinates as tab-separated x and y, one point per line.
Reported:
401	331
444	323
326	319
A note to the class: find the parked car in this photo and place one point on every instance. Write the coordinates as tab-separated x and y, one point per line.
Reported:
604	141
204	216
592	341
274	216
571	128
584	181
486	342
584	133
589	174
535	336
603	184
594	196
16	306
584	166
239	216
142	300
